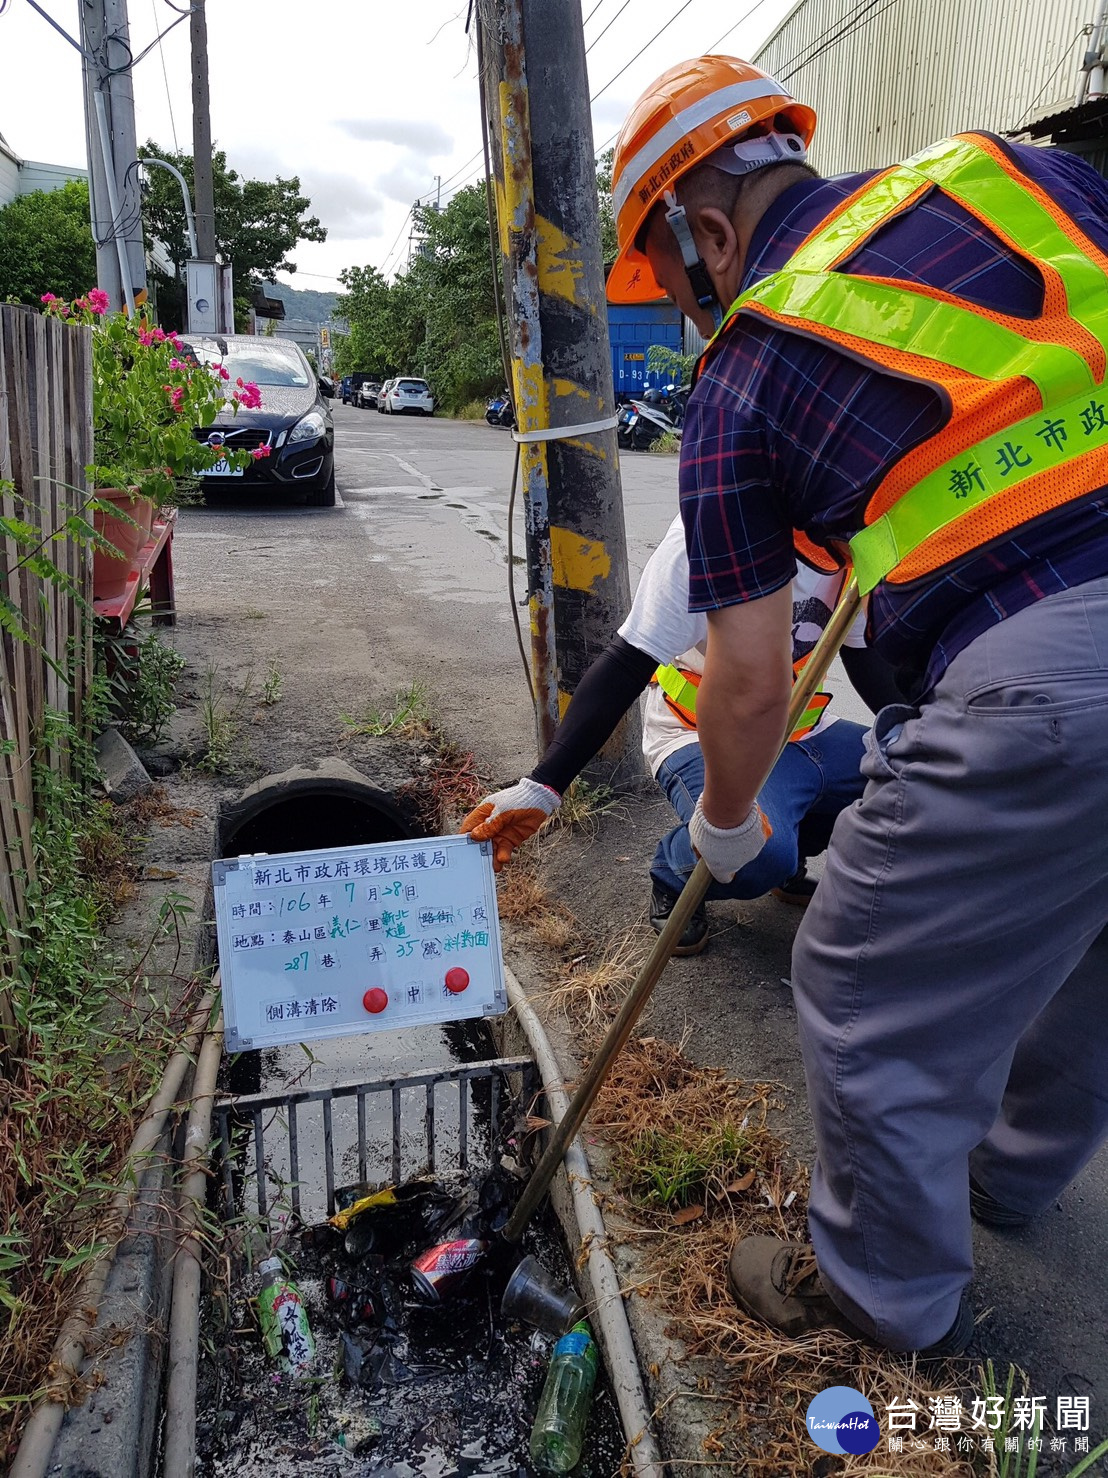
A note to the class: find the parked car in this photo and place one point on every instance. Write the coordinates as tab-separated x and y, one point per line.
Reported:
293	424
368	391
382	393
406	395
347	389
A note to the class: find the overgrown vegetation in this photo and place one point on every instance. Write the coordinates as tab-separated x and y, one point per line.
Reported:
90	1041
140	673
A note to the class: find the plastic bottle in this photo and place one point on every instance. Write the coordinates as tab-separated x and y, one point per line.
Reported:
286	1333
559	1431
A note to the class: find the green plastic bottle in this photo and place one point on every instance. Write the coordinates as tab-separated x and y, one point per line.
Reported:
286	1334
559	1431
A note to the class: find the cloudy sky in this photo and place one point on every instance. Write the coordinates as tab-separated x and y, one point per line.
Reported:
367	101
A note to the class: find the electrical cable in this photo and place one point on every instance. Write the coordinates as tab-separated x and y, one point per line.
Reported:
505	357
856	24
859	5
680	11
608	27
396	243
721	39
165	78
584	23
1063	59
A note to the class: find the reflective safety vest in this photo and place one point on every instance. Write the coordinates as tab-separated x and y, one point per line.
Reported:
1027	406
679	687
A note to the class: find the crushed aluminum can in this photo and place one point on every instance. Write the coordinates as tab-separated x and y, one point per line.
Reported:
441	1269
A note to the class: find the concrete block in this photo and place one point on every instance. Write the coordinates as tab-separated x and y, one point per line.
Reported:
124	773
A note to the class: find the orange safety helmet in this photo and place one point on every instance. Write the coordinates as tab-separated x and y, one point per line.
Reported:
690	112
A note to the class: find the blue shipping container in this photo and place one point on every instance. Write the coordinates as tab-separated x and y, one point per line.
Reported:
631	330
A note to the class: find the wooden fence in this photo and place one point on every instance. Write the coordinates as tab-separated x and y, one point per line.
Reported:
45	446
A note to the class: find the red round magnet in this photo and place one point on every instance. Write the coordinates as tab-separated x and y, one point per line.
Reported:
375	1000
457	979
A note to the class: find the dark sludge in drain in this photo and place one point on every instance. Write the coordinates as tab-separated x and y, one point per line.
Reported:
400	1385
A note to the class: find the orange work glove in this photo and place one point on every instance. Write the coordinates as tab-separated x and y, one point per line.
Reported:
508	817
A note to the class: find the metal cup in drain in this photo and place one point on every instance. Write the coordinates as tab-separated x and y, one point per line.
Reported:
534	1297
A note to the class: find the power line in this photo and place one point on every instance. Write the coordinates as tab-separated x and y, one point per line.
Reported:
396	243
165	77
840	27
640	51
721	39
1063	59
584	23
862	20
608	27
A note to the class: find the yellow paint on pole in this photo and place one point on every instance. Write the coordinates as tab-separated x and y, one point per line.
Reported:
565	388
561	269
579	563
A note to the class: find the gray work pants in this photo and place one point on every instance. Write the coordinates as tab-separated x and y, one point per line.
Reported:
950	973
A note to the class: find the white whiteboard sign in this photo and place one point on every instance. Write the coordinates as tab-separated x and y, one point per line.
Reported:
344	940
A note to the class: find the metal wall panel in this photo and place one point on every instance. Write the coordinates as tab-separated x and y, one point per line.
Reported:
888	77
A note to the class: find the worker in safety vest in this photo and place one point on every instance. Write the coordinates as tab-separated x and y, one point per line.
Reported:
659	649
910	372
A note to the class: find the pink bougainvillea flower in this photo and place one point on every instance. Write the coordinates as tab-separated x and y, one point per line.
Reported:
145	337
177	364
49	298
158	336
259	452
249	395
97	301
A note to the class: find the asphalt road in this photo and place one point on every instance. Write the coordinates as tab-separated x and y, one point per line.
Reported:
407	579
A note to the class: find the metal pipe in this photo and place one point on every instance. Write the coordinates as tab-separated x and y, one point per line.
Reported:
811	675
184	1319
111	184
190	219
41	1431
609	1312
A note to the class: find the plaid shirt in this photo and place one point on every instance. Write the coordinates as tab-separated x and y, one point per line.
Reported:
783	432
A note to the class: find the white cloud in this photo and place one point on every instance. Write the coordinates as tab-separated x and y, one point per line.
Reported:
410	133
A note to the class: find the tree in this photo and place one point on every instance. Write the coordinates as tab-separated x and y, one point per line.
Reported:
258	224
46	245
609	243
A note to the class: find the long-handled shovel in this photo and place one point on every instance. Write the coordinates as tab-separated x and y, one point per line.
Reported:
811	676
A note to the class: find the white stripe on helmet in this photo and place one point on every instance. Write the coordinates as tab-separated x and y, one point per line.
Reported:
691	117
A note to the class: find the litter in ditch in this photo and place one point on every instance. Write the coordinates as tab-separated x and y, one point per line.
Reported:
379	1348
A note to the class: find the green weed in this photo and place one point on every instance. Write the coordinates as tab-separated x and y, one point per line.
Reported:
408	718
672	1168
584	803
666	444
141	674
272	683
221	714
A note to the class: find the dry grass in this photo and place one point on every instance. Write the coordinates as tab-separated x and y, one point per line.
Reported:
154	806
521	897
589	995
659	1111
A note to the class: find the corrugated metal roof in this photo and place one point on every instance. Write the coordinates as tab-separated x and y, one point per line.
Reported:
888	77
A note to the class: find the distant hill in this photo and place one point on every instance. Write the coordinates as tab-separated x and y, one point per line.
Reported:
303	302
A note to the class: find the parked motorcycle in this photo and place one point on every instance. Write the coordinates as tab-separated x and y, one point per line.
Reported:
499	411
655	414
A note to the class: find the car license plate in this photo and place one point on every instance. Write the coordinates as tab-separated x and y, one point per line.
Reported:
223	468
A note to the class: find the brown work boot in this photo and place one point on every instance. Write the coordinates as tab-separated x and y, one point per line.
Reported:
778	1283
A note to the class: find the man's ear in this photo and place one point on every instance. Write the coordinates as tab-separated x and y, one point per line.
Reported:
716	239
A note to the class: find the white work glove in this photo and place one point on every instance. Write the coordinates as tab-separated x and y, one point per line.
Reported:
508	817
727	849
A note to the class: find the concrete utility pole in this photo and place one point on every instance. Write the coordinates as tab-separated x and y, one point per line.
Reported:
540	132
115	201
203	187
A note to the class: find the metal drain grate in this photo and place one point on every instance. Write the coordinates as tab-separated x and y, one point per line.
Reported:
278	1150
